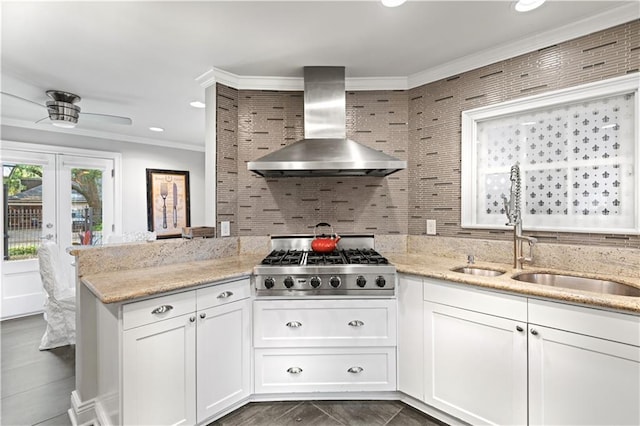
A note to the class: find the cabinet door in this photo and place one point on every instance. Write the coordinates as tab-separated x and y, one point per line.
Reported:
410	337
159	373
576	379
224	349
475	365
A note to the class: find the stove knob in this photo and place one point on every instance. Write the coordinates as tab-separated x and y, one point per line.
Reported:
361	281
380	281
288	282
315	282
269	282
335	282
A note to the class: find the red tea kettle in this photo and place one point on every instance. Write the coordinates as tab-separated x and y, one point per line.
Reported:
324	244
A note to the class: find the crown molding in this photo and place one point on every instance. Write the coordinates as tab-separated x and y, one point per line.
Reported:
608	19
24	124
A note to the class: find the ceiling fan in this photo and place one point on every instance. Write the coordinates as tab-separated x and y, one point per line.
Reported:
63	111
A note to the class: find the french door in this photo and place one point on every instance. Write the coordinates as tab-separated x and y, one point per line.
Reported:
61	197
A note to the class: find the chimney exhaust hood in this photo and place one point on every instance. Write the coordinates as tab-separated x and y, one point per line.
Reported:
325	150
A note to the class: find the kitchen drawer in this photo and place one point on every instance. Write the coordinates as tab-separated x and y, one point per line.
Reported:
325	370
470	298
157	309
318	323
619	327
221	294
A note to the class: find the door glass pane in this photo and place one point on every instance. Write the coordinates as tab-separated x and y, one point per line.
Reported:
22	228
86	206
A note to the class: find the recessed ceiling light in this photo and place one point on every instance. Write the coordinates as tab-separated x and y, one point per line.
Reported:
527	5
156	129
197	104
392	3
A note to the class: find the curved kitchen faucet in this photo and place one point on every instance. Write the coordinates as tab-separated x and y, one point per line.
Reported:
514	215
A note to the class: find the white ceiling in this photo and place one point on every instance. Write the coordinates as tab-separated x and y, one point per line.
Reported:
142	59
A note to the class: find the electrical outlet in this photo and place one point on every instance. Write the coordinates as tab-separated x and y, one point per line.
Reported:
431	227
225	229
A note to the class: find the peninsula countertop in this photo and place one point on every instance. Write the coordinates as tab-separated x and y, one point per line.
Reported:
438	267
131	284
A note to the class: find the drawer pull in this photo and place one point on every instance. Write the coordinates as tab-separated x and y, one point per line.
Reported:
203	315
225	294
355	370
356	323
294	370
294	324
192	319
162	309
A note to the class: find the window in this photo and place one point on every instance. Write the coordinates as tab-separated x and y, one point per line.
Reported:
578	154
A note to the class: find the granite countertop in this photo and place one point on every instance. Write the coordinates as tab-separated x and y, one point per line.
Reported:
130	284
440	267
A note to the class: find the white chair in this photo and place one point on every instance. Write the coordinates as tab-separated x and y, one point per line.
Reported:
60	306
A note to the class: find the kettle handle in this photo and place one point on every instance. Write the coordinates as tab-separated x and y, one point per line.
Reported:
322	224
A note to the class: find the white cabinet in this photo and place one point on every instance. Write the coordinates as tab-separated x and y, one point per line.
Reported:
223	356
475	364
410	336
159	373
496	358
329	345
575	378
186	356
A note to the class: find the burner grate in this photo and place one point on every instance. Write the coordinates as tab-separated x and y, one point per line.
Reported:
333	258
283	257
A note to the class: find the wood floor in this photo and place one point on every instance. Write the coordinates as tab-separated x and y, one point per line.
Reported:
37	385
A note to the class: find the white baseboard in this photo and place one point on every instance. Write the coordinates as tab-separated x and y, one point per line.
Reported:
82	413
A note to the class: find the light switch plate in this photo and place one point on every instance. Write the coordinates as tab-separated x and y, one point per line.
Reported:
431	227
225	229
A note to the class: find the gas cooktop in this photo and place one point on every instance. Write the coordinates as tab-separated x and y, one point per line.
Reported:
355	268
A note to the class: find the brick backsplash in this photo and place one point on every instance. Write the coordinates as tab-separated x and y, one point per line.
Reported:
421	125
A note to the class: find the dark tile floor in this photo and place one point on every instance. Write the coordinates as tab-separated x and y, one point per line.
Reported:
327	413
37	385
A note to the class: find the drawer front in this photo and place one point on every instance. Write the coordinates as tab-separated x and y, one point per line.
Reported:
619	327
157	309
222	294
325	370
467	297
321	323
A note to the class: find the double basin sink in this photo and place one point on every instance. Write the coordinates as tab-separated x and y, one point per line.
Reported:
560	280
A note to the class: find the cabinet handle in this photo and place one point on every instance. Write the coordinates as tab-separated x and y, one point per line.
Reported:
162	309
534	331
355	370
192	319
356	323
225	294
203	315
294	370
519	328
294	324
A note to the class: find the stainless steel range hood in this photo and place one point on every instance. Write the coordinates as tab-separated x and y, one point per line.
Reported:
325	150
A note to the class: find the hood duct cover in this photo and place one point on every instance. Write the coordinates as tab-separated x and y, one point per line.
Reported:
325	150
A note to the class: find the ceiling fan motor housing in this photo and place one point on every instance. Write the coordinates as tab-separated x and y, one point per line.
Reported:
61	108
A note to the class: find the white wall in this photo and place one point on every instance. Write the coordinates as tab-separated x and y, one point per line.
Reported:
136	158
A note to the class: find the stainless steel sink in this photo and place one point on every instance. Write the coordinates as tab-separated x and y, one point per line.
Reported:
472	270
579	283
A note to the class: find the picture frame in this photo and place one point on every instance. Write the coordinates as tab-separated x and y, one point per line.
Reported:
168	203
